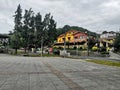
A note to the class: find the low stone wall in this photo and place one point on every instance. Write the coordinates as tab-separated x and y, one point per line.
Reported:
79	53
85	53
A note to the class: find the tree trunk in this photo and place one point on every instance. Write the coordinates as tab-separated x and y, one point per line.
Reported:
25	50
41	46
15	50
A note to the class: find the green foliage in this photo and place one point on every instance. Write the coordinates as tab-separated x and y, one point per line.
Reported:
91	42
117	43
27	29
17	28
13	42
49	29
30	29
52	33
105	52
94	48
38	29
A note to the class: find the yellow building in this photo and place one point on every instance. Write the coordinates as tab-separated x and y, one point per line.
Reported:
73	38
68	36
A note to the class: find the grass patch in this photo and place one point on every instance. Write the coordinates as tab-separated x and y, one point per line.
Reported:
104	62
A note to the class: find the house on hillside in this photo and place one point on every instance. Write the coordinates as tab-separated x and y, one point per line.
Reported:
73	38
107	38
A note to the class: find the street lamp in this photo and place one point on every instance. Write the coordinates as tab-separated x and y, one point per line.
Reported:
35	34
64	51
88	40
64	41
77	49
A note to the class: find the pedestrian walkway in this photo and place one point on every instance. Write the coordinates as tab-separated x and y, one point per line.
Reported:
55	73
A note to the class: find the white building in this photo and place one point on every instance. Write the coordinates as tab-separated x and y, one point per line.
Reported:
108	35
108	38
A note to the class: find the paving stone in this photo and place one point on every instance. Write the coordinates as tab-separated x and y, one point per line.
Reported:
30	73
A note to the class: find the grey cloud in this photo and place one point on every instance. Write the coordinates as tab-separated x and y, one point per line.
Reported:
90	14
113	20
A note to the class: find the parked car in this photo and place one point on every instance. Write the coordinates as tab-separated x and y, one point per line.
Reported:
56	52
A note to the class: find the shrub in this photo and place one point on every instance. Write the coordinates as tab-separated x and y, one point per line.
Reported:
104	52
94	48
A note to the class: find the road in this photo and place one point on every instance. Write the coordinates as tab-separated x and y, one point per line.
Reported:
55	73
114	56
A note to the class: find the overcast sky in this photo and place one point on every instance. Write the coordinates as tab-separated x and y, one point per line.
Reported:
94	15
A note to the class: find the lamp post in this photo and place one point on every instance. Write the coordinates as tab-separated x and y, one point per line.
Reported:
41	46
35	40
77	49
64	41
88	40
64	51
88	46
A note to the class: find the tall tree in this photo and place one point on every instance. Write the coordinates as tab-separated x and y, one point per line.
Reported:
38	30
117	42
45	28
28	20
17	27
52	33
31	33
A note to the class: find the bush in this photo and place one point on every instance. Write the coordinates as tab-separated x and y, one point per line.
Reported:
94	48
104	52
80	48
102	49
60	47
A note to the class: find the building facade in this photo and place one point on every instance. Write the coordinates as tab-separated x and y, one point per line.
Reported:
107	38
72	38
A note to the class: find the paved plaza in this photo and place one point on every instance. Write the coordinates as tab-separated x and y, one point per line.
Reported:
55	73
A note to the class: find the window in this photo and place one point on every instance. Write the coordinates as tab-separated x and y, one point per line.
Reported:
69	38
63	39
81	37
59	40
75	37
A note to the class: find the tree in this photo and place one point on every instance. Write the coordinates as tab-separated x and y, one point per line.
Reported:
52	33
17	28
31	33
45	29
27	29
32	30
117	42
38	30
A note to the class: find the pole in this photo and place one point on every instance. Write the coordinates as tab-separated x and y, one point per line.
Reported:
77	49
88	44
64	52
65	42
41	46
35	40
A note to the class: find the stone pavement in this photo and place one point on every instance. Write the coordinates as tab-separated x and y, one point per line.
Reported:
55	73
